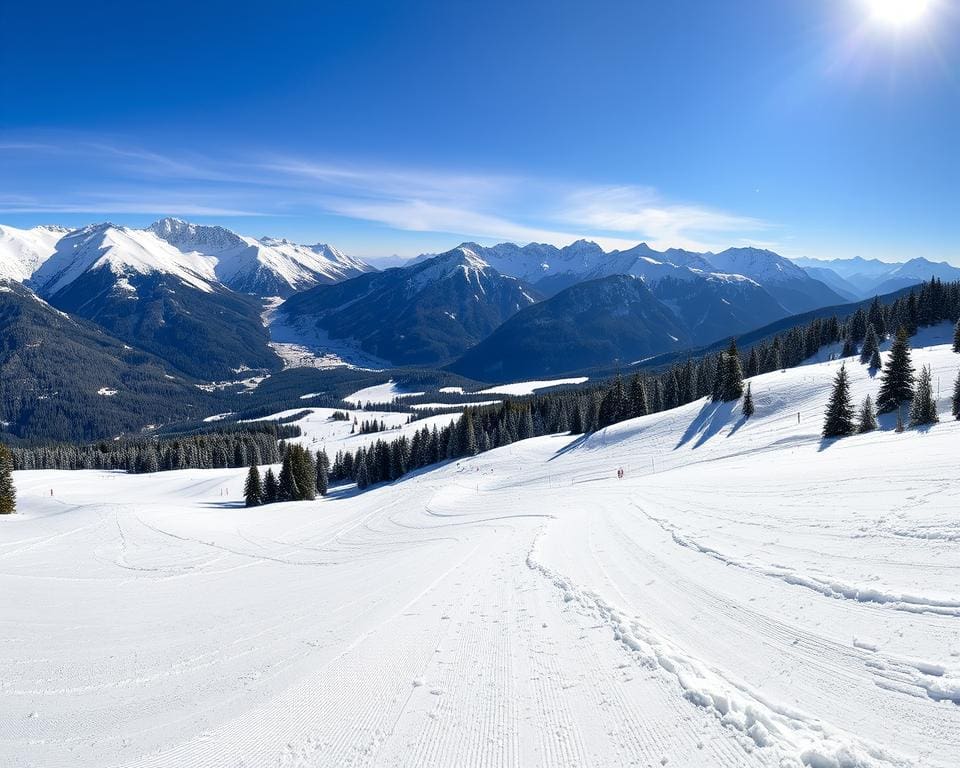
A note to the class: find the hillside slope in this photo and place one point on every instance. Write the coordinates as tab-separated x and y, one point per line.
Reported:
424	314
62	378
748	596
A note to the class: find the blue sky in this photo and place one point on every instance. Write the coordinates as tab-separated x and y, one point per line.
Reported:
395	128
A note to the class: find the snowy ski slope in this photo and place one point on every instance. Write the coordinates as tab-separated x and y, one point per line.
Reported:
747	596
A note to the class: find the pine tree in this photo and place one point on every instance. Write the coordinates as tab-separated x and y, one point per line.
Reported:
363	474
875	361
732	386
838	421
8	493
748	408
956	397
287	483
323	472
867	421
897	376
638	397
871	344
719	378
304	473
271	488
956	337
923	409
252	489
848	348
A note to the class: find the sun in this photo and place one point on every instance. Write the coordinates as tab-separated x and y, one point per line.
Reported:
898	13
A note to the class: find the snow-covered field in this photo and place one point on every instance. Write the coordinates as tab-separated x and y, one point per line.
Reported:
320	430
747	596
520	388
379	393
300	346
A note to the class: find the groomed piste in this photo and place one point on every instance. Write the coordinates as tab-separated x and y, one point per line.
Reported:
747	595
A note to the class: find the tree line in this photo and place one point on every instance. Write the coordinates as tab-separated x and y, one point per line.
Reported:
234	447
899	386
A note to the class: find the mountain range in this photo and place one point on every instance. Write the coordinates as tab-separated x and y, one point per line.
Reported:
552	269
169	309
190	294
860	278
427	313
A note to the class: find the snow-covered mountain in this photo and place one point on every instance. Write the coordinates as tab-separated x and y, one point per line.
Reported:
265	267
157	298
869	277
552	269
123	252
787	282
200	255
22	251
424	314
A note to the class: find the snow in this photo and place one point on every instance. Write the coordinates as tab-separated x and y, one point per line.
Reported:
123	251
219	416
200	255
106	391
320	430
379	393
529	387
22	251
238	260
302	345
748	595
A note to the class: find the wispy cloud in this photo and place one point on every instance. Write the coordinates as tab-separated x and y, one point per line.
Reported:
641	213
101	178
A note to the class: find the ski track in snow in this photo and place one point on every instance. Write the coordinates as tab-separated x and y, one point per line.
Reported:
746	596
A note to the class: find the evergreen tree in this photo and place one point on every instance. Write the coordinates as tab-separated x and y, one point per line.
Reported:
875	318
732	386
848	348
867	421
304	473
748	408
956	337
8	493
923	409
956	397
875	361
897	376
838	421
719	378
252	489
271	488
638	397
363	474
287	483
858	326
323	472
871	344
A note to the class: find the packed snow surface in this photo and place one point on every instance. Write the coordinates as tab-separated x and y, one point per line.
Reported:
379	393
748	595
529	387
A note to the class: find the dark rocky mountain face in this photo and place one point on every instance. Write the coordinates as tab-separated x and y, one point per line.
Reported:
591	323
425	314
210	335
62	378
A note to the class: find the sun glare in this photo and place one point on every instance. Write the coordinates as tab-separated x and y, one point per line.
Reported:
897	13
